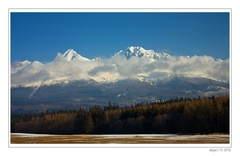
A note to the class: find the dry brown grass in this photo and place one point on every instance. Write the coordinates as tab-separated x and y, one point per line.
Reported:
119	139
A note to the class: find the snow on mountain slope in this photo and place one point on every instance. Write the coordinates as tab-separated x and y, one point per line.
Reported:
124	92
70	54
141	52
132	63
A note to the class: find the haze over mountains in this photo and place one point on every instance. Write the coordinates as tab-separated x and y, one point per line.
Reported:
131	75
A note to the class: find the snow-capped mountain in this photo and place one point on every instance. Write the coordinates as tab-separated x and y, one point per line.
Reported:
132	63
141	52
130	76
70	54
127	92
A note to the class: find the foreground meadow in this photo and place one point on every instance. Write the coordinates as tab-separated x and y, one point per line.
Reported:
21	138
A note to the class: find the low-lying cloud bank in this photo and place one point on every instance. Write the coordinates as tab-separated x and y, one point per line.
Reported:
72	66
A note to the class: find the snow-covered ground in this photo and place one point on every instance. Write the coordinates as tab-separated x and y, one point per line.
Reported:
125	138
29	135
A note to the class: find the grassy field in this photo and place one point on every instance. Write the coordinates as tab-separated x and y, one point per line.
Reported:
17	138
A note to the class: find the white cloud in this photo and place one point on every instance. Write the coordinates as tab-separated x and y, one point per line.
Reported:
119	67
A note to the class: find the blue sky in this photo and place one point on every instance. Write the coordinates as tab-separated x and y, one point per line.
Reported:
40	36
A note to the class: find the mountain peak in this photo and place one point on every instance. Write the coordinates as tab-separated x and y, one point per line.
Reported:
70	54
140	52
135	48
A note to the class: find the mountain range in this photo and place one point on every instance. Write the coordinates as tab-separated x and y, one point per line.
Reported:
133	75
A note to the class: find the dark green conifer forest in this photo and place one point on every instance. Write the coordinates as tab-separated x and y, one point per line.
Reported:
180	116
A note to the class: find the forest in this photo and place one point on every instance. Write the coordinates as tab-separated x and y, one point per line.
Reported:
206	115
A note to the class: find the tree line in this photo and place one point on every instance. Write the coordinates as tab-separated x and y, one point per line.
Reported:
180	116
